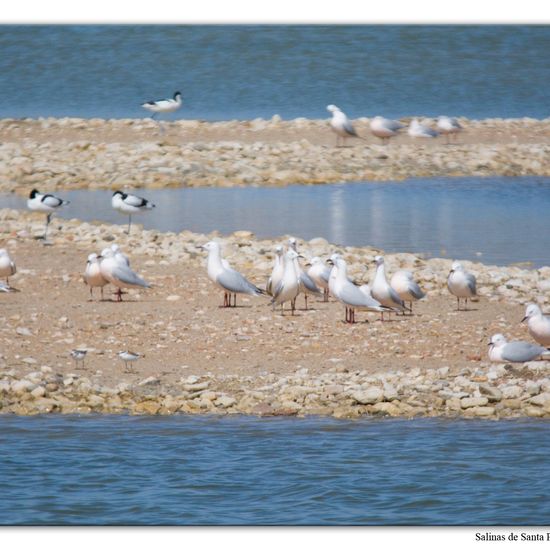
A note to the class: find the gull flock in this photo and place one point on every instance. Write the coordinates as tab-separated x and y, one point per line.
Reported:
288	278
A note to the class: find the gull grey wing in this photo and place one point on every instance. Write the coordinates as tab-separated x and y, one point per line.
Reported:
306	280
395	125
350	294
124	274
325	275
268	288
395	298
416	291
519	352
348	127
234	282
471	282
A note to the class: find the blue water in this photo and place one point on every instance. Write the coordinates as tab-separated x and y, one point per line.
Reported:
242	470
242	72
492	220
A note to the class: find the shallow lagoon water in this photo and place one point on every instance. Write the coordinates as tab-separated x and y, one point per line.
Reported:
205	470
493	220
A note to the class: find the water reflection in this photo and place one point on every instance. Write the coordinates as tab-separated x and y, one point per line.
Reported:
495	220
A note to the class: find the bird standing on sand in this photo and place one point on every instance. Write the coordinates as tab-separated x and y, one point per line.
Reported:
448	126
406	287
384	128
514	352
382	290
341	125
7	266
319	272
222	274
461	284
277	272
538	324
128	204
162	106
128	357
307	285
92	275
44	202
346	292
417	130
118	273
289	287
78	355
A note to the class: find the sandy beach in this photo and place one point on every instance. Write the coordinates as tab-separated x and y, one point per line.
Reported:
199	357
70	153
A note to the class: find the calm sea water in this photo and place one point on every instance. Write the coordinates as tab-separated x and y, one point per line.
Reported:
493	220
243	72
242	470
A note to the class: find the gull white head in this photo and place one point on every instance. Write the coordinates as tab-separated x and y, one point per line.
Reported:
332	108
532	310
92	258
106	253
292	255
279	250
379	260
497	340
292	243
457	266
3	252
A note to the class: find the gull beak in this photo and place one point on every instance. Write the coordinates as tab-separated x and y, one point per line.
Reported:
199	247
524	319
99	258
330	262
490	344
300	256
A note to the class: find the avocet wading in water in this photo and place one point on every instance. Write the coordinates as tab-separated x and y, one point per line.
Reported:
128	204
162	106
46	203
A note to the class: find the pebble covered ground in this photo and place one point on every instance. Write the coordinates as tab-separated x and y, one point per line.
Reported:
200	358
70	153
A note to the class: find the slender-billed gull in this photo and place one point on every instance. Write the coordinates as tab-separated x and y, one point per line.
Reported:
319	273
289	286
538	324
341	125
128	357
78	355
385	128
7	265
448	126
46	203
382	290
118	273
514	352
92	275
230	280
161	106
350	295
307	285
406	287
128	204
277	272
417	130
461	284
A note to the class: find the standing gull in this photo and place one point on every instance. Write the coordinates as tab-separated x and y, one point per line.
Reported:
40	202
319	273
448	126
514	352
118	273
92	275
231	281
125	203
417	130
538	324
289	286
7	266
307	285
341	125
278	270
382	290
349	294
384	128
461	284
78	355
406	287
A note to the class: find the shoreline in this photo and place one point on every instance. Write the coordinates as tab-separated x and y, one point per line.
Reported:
201	359
69	153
